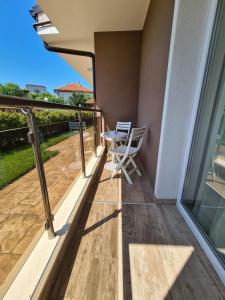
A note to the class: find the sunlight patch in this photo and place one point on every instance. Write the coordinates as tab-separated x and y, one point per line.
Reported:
155	268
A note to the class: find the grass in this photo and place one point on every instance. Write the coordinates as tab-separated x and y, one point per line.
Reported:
58	138
16	162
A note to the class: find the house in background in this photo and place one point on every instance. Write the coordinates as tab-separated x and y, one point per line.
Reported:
37	89
66	91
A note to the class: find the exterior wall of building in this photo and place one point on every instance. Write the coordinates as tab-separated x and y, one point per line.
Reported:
117	75
67	95
36	88
189	47
64	95
154	61
121	56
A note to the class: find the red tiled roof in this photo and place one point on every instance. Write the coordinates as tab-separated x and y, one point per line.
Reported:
73	87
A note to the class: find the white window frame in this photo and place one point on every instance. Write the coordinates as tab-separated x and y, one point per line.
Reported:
195	230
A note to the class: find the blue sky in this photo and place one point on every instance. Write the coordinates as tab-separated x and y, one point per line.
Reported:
23	58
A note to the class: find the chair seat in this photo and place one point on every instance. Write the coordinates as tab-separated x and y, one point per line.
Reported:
121	150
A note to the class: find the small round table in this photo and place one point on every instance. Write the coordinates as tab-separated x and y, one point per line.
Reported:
113	136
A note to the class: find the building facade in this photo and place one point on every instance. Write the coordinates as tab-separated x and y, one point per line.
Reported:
37	89
67	91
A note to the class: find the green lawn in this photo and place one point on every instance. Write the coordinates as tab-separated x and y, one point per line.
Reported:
16	162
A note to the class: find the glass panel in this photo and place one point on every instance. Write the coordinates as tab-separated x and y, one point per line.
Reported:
60	139
21	209
208	206
204	188
88	133
98	128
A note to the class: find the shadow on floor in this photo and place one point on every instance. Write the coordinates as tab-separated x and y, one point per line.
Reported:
161	259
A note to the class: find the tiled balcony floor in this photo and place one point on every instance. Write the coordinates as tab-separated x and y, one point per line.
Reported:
125	235
21	208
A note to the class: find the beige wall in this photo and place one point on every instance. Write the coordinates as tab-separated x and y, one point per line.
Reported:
117	75
123	59
154	61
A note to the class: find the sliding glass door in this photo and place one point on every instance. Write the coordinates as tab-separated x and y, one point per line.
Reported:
204	188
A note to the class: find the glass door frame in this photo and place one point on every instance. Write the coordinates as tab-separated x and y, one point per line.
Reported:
215	64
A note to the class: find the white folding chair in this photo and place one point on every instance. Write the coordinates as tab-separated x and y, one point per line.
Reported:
125	154
75	125
124	127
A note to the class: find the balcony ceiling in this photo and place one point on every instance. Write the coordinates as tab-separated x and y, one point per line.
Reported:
77	20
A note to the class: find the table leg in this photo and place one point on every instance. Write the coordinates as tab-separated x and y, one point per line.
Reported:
113	148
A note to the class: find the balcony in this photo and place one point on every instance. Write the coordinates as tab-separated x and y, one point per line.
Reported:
69	230
115	240
128	246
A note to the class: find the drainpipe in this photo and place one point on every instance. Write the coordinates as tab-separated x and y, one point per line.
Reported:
85	54
78	53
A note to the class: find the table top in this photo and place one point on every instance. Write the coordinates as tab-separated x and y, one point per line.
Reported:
113	134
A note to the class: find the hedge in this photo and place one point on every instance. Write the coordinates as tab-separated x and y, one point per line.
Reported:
13	126
15	119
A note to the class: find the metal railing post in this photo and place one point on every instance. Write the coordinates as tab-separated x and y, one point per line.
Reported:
35	141
101	140
95	134
82	145
103	129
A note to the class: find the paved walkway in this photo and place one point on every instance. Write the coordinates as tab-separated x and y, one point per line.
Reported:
21	208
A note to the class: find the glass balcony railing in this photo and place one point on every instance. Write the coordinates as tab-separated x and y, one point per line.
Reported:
44	147
88	132
62	139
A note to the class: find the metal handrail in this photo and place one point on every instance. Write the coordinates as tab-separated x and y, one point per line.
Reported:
21	102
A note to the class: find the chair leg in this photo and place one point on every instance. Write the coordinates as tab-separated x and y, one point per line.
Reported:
122	167
126	175
108	151
135	167
113	174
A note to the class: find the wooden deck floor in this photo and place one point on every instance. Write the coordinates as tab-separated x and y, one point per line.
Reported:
145	243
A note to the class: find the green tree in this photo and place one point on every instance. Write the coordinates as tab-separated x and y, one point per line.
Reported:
77	99
88	96
46	97
12	89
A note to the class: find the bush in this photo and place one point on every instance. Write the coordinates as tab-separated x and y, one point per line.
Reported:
12	89
13	125
14	119
44	96
10	120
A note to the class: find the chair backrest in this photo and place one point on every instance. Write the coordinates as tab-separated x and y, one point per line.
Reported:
124	126
137	135
75	125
